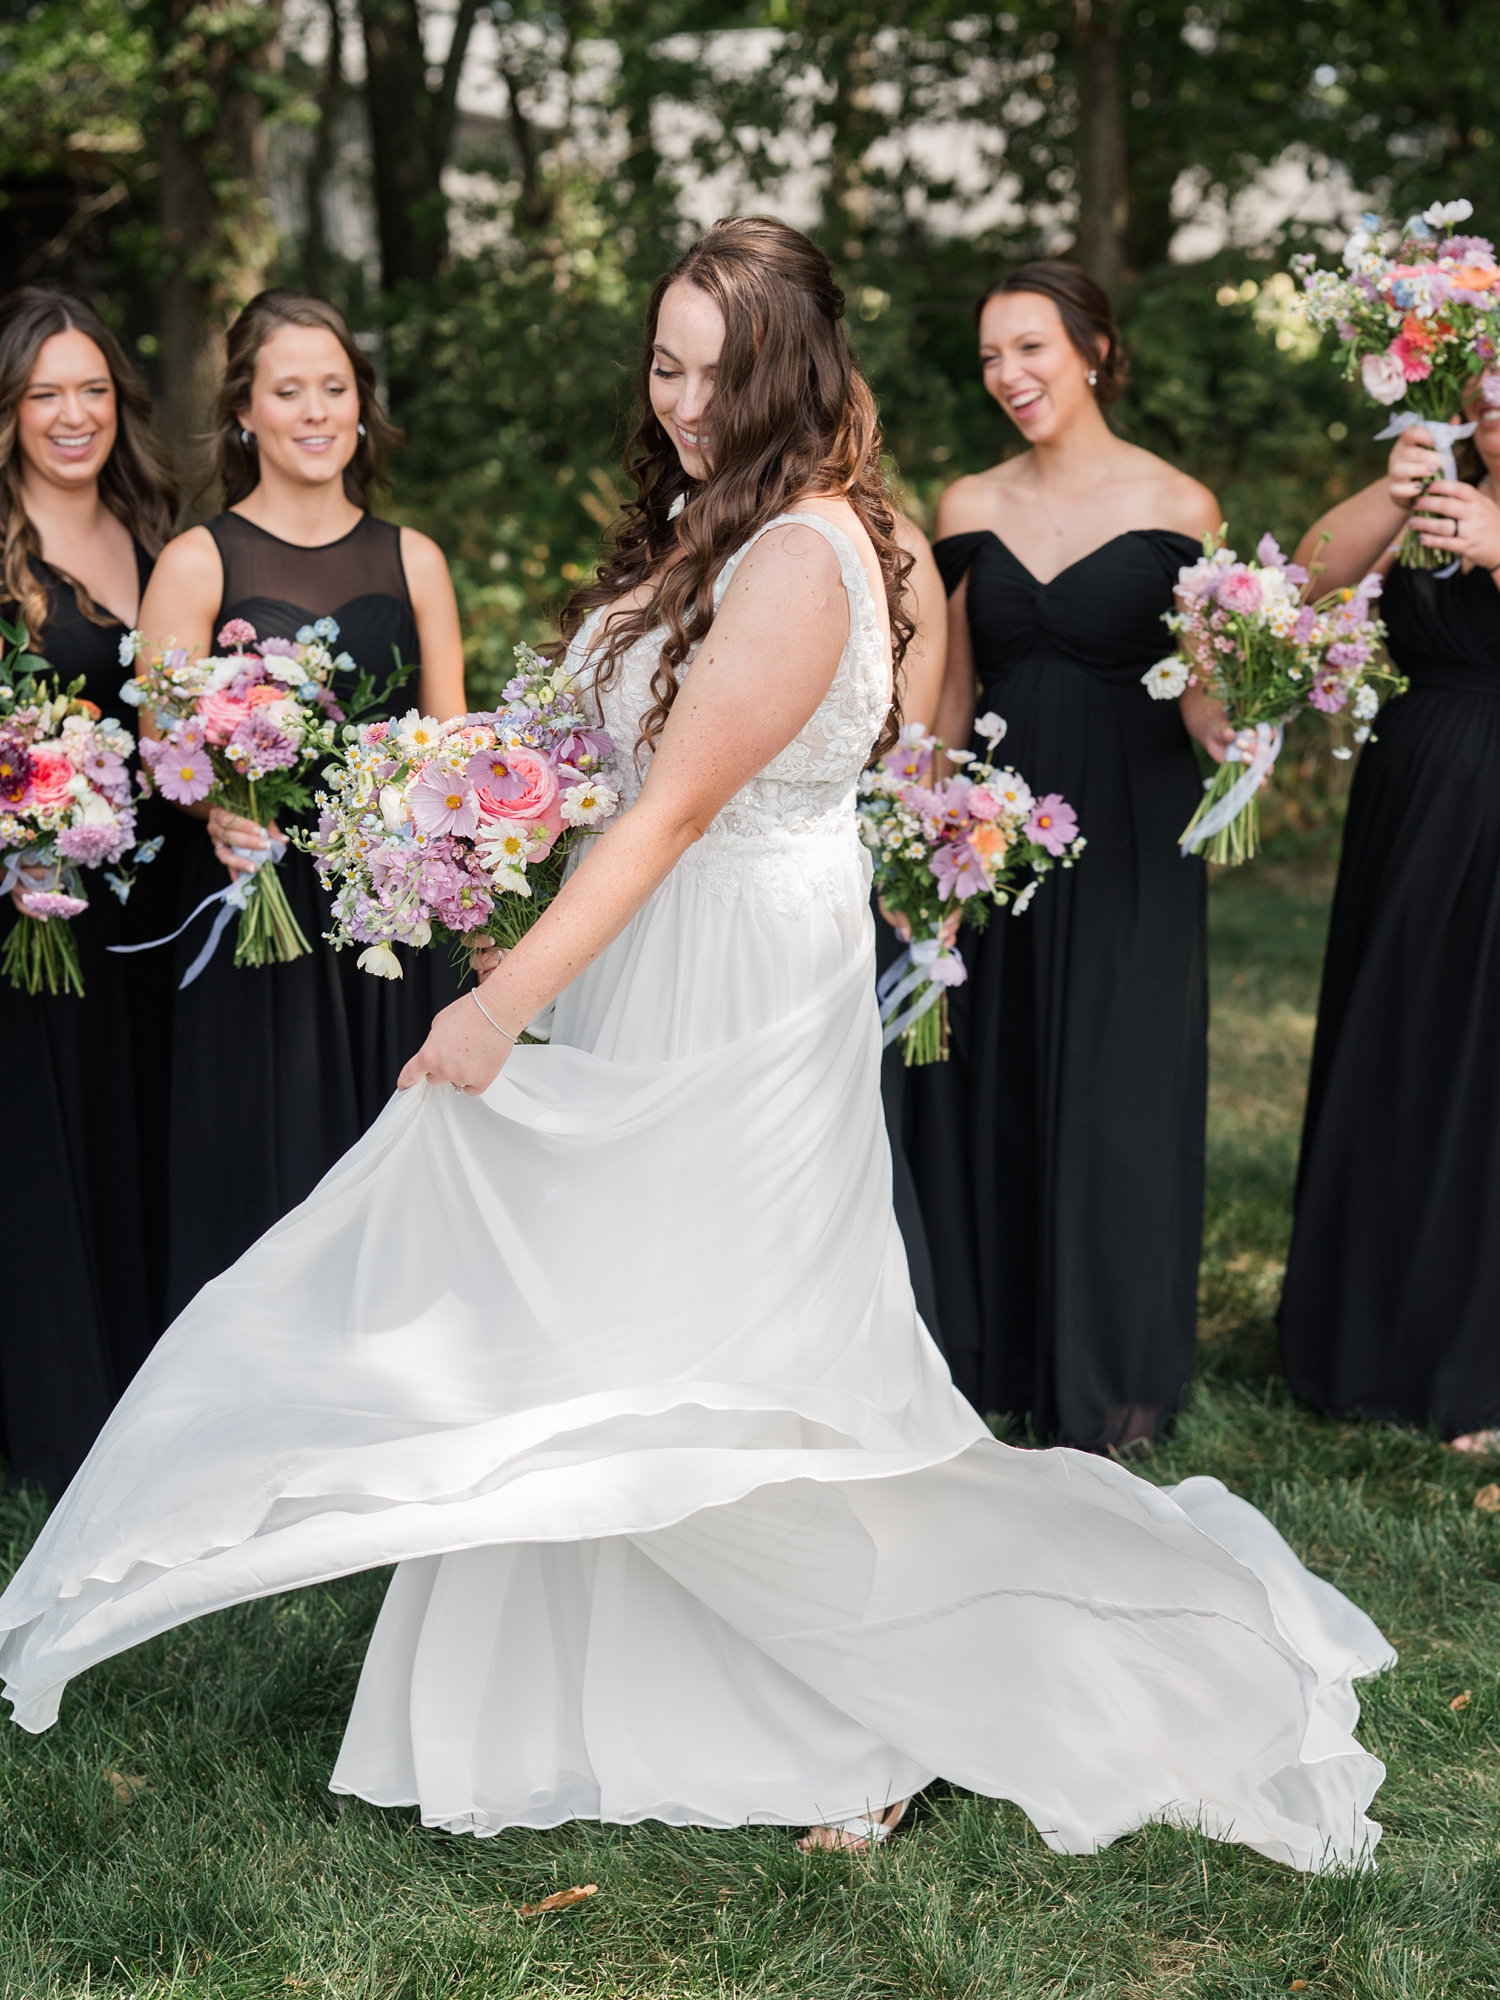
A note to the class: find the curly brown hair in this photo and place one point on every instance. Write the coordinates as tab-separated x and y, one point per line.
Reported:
1086	313
791	415
234	462
134	484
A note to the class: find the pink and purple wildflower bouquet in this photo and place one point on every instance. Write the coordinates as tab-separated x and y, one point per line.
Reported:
461	829
65	805
242	730
946	848
1253	642
1420	325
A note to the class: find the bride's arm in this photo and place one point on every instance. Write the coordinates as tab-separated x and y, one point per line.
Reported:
768	661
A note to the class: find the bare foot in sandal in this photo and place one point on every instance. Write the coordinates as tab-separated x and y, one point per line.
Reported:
856	1836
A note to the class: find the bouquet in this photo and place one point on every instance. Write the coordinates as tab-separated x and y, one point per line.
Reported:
65	805
946	852
1419	326
242	730
1254	643
462	828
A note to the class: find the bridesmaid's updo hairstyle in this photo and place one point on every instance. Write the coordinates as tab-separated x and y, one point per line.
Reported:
1087	316
234	462
791	414
134	485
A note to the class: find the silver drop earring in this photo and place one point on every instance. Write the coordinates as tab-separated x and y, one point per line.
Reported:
247	438
361	430
1093	378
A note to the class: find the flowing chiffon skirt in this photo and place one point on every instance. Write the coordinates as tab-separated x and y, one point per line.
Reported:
620	1364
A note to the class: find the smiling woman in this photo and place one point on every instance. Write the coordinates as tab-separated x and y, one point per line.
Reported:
277	1069
1059	1154
86	505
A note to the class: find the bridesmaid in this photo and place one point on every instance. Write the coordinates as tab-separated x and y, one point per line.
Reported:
87	504
278	1069
1059	1152
1389	1306
921	691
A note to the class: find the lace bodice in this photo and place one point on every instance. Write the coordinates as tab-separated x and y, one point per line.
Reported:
790	833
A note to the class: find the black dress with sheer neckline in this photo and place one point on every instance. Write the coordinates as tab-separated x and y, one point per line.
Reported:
1389	1306
278	1069
1059	1152
86	1084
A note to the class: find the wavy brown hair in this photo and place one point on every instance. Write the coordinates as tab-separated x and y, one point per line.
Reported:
791	415
234	463
134	483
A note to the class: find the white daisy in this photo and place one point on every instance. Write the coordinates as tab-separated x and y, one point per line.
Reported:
588	803
417	734
1167	679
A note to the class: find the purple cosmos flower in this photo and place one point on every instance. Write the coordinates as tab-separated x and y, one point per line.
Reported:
444	802
958	871
1053	823
183	776
1268	552
1328	694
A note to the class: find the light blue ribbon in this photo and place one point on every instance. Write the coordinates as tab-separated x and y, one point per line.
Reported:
1267	739
232	900
929	962
1444	437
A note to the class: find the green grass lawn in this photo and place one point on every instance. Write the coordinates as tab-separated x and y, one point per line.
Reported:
223	1867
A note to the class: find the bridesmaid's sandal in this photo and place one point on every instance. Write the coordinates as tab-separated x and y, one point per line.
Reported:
1476	1444
846	1840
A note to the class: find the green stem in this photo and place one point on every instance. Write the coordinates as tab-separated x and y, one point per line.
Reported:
42	951
268	933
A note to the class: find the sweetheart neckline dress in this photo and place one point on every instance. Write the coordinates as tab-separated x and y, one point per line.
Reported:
619	1364
1059	1153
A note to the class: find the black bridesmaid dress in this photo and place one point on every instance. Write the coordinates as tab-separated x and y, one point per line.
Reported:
1059	1152
278	1069
86	1085
1390	1305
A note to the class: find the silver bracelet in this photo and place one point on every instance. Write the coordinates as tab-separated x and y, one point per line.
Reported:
514	1040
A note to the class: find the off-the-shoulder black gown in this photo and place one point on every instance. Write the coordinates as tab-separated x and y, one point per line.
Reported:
1059	1152
1392	1300
86	1097
278	1069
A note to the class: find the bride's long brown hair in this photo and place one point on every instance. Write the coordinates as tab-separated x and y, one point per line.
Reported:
791	415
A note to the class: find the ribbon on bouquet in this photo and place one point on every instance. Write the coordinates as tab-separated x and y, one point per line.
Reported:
1257	749
1444	438
933	966
231	901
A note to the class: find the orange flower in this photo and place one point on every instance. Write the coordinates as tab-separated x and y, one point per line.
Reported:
1471	278
989	841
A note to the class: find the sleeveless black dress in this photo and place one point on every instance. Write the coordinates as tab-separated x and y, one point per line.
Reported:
86	1092
1059	1153
278	1069
1390	1306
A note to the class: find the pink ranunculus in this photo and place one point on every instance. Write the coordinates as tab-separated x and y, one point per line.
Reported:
51	777
1240	590
1053	823
1383	376
221	715
982	804
1328	694
443	802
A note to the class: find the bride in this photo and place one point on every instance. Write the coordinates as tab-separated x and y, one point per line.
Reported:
609	1344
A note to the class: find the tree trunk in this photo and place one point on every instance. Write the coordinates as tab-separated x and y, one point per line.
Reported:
410	214
1099	146
216	234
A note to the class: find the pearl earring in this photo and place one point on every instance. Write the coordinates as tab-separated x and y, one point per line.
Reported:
247	438
361	430
1093	377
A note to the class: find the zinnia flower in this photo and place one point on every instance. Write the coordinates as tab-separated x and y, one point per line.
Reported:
183	776
1053	823
443	803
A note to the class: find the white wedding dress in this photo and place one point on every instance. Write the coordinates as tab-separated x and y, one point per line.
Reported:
619	1363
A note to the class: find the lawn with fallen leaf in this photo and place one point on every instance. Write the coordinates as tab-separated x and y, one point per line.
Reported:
174	1835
